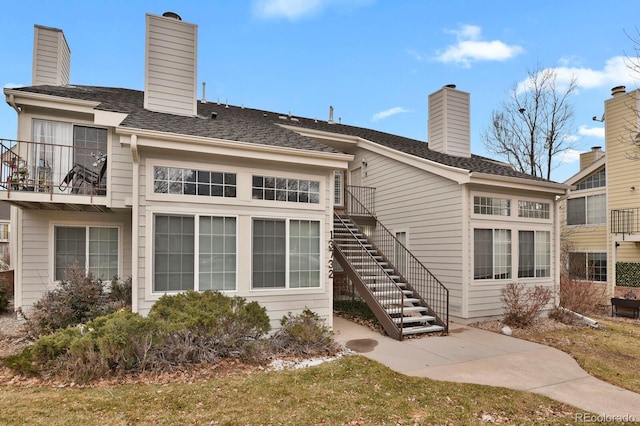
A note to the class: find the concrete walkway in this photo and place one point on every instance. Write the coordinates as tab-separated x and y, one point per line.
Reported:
472	355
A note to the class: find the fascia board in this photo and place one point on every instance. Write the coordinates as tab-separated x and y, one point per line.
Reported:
52	102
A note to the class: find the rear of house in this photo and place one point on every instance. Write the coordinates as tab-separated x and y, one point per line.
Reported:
185	194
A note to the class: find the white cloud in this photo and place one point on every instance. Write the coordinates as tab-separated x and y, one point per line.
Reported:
388	113
596	132
297	9
616	71
416	55
570	156
471	48
13	85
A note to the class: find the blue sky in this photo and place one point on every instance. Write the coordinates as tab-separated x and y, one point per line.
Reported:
374	61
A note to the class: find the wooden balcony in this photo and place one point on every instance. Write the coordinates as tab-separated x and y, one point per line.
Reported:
52	176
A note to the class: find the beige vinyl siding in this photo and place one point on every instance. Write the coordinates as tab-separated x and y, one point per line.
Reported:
120	177
429	207
36	255
449	122
622	166
170	83
51	57
277	302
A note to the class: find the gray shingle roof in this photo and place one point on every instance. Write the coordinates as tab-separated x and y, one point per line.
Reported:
256	126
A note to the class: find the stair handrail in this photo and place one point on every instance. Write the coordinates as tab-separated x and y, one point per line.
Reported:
400	326
442	314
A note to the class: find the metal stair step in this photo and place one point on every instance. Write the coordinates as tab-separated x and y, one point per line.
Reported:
414	319
408	301
425	329
405	309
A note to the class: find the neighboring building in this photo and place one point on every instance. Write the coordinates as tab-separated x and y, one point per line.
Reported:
584	235
185	194
601	226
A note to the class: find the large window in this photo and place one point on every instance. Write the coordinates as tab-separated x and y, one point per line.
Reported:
92	248
281	245
492	206
178	254
492	254
176	180
534	254
588	266
283	189
589	210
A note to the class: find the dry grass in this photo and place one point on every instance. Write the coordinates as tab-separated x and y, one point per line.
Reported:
352	390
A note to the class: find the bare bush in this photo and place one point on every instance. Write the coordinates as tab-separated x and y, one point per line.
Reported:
303	334
583	297
523	303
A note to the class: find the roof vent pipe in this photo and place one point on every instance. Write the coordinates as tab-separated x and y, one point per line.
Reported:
172	15
204	91
214	115
618	90
330	115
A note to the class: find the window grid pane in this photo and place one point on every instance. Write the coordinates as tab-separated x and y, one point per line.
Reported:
283	189
269	253
217	257
338	196
70	248
304	253
491	206
526	254
502	257
596	180
596	209
173	253
483	254
174	180
543	254
533	209
103	252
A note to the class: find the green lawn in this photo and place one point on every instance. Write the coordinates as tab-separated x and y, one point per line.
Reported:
352	390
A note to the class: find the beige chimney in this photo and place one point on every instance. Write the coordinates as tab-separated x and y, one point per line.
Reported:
170	65
450	121
51	57
588	158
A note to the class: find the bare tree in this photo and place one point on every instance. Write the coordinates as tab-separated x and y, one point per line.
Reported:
532	125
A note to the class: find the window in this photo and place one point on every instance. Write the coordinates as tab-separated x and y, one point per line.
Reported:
589	210
492	206
533	209
283	189
93	248
588	266
492	254
534	254
596	180
4	232
338	188
279	245
175	180
177	253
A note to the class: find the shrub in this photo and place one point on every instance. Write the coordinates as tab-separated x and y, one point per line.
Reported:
303	334
5	297
523	303
77	300
582	297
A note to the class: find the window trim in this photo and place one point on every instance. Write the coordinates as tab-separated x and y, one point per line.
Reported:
338	175
536	267
196	271
287	287
586	265
86	225
493	254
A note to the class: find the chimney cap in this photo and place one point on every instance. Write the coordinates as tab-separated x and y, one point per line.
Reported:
450	86
596	148
617	90
172	15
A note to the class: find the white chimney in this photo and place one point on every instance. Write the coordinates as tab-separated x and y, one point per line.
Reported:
170	65
450	121
51	57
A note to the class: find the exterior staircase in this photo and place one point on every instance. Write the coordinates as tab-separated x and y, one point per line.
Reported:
398	306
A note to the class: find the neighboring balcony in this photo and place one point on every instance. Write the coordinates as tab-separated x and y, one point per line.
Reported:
625	221
52	176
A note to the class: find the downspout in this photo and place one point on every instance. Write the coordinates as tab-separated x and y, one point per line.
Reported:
135	287
557	260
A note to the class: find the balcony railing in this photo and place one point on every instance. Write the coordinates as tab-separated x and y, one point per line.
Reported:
625	221
360	200
52	168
